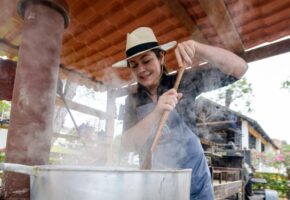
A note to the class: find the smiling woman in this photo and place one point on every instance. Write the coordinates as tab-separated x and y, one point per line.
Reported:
178	146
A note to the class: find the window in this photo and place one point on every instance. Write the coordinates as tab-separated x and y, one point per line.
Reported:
262	147
252	142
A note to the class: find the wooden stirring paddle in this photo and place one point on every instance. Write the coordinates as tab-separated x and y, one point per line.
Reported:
147	162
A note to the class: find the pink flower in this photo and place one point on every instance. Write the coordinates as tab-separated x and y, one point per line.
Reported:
261	154
279	158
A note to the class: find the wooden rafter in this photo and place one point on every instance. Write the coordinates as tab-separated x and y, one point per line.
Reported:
82	108
180	13
267	51
81	79
219	17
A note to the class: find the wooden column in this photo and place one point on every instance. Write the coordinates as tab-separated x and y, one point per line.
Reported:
110	122
30	129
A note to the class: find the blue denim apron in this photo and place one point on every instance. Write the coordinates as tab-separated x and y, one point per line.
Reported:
179	148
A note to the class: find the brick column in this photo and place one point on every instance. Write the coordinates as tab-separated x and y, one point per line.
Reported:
33	100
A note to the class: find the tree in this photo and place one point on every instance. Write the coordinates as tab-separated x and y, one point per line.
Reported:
286	85
237	95
4	108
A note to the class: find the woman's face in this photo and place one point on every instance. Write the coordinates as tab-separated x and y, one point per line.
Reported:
146	68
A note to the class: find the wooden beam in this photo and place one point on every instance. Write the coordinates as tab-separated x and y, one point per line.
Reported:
111	109
272	49
82	108
222	191
207	142
257	135
66	136
4	126
8	48
81	79
184	18
215	123
220	18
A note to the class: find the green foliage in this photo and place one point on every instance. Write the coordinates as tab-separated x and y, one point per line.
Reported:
285	150
241	96
4	108
275	181
2	157
286	85
2	160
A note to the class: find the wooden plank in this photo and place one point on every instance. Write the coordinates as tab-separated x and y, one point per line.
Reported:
184	18
220	18
267	51
66	136
215	123
207	142
82	108
225	190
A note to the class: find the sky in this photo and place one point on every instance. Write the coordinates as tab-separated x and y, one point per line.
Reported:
271	103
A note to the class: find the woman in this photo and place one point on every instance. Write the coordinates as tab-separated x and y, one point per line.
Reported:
178	146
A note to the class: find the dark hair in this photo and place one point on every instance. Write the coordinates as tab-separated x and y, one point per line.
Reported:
157	52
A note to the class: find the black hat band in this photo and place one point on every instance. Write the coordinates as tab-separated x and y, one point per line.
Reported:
141	47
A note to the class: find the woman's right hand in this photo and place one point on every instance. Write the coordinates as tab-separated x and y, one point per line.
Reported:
167	101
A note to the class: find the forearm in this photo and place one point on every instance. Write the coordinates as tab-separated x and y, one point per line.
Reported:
228	62
135	137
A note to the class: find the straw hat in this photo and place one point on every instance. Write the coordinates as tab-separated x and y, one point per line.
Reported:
139	41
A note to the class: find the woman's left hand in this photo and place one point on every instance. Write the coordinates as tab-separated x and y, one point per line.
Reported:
185	52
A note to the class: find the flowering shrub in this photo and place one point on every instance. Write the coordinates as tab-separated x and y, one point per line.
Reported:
279	161
271	159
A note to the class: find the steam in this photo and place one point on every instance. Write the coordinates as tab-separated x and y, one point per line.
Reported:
107	79
93	145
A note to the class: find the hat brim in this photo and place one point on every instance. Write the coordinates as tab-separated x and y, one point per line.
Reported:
164	47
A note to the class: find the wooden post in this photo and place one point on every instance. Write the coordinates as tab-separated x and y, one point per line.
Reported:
110	122
33	100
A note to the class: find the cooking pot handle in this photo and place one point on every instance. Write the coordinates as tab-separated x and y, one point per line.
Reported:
23	169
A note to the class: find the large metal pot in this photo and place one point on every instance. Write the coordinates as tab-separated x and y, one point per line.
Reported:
50	182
